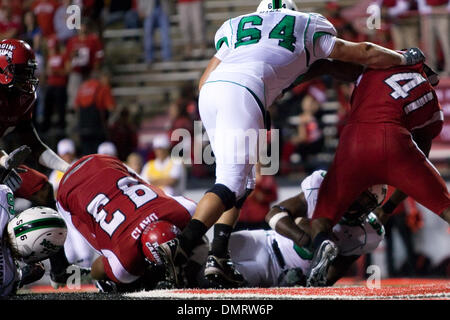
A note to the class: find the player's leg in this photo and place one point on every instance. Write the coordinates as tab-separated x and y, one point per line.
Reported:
356	166
226	121
227	221
417	177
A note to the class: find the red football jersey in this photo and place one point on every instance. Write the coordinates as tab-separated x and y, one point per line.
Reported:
111	207
400	95
14	107
84	53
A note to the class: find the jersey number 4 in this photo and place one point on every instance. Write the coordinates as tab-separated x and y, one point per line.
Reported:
284	31
403	83
138	194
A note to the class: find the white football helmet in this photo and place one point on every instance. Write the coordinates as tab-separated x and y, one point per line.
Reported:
37	233
266	5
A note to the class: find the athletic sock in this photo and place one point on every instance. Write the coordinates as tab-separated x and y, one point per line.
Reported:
219	246
192	235
58	262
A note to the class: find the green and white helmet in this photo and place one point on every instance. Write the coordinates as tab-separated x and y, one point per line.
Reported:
266	5
37	233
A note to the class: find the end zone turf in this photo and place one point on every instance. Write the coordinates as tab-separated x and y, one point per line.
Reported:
389	289
345	289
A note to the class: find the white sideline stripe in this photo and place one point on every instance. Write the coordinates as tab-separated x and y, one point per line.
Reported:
172	294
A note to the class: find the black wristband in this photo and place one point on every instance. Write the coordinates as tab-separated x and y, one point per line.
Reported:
282	209
389	206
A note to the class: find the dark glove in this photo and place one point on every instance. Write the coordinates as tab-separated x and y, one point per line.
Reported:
413	56
432	76
17	157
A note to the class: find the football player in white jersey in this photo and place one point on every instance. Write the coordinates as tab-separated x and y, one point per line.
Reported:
19	235
259	55
277	257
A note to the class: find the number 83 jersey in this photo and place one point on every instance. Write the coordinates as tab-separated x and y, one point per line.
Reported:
267	51
111	206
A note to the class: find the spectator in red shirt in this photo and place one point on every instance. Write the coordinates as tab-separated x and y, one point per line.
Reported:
94	101
123	134
17	9
44	10
8	28
258	202
56	96
84	53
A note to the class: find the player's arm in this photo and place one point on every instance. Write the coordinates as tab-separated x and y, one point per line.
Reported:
42	153
212	65
342	71
339	268
373	55
288	218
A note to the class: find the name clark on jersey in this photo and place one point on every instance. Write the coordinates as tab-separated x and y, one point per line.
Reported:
136	233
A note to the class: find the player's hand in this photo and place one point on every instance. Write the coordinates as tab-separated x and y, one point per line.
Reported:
413	56
432	76
17	157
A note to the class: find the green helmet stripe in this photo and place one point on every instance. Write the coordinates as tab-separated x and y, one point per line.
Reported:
276	4
39	224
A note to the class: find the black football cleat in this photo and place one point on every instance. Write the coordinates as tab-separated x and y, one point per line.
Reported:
221	273
173	257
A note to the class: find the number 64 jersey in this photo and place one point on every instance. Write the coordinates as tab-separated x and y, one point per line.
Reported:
111	206
267	51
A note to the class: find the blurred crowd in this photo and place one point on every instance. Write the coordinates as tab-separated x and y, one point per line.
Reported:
78	114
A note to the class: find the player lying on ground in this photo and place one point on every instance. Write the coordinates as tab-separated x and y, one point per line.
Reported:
394	116
111	206
18	85
268	258
259	55
26	239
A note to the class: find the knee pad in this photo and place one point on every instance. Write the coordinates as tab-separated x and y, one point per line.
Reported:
225	194
241	200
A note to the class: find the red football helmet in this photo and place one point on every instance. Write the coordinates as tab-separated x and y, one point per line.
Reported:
17	65
155	233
